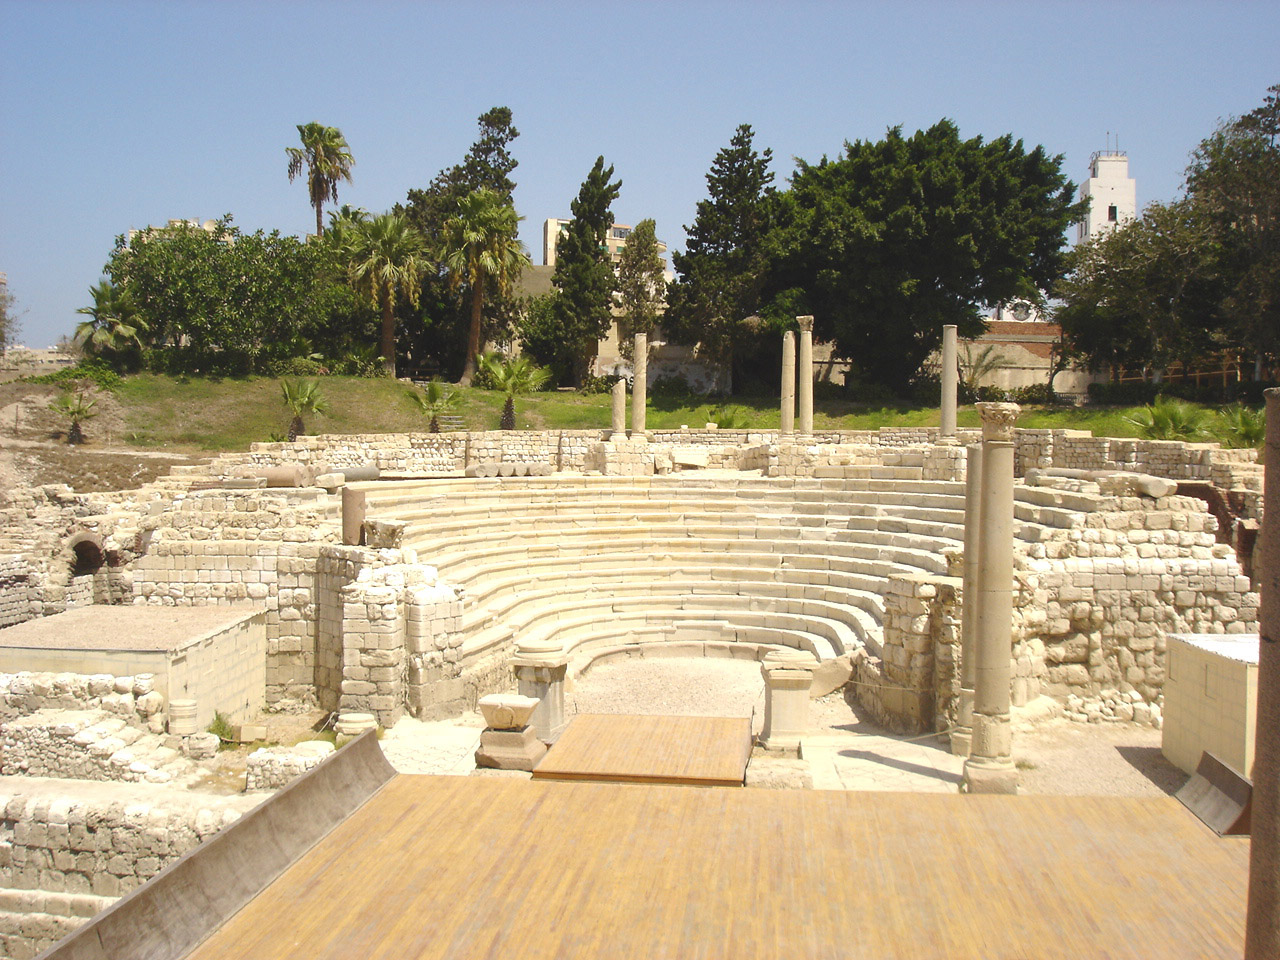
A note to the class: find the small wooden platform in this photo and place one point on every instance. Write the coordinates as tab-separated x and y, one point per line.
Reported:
701	751
431	868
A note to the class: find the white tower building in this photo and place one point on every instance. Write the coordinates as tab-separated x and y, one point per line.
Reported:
1113	194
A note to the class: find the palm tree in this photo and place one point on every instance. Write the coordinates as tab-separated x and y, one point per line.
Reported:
327	159
434	401
77	407
513	377
479	244
114	330
303	398
1169	419
386	256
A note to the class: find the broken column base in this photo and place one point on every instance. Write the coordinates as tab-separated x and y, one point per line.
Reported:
510	749
982	777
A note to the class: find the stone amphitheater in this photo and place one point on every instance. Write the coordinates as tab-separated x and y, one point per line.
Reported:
405	575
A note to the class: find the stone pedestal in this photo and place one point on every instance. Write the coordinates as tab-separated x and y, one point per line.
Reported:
788	425
509	742
640	385
950	381
962	735
540	671
806	374
990	768
788	675
619	425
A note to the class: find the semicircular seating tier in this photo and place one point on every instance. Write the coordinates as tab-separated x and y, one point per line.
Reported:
607	564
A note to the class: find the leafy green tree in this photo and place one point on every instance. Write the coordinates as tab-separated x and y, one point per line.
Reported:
433	402
77	407
113	333
325	156
722	269
584	277
897	237
1146	294
1234	181
479	247
230	302
303	399
488	165
514	377
386	258
640	282
8	318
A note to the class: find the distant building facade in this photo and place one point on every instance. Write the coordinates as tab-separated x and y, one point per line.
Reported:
208	226
1111	192
615	239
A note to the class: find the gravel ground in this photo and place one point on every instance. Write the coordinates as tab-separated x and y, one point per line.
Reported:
1055	756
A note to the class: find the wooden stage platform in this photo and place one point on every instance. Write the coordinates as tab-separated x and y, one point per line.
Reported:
701	751
471	867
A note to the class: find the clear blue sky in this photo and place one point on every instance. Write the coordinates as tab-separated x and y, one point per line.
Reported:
119	115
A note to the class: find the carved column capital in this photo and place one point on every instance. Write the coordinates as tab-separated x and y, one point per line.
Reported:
998	420
805	324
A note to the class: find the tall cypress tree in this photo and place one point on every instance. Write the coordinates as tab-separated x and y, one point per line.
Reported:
584	278
720	273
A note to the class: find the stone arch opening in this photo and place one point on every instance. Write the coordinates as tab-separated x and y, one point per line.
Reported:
87	554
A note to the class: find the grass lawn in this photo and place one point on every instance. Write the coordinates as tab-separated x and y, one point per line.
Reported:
229	414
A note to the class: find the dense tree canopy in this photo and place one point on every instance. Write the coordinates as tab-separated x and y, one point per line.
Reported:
584	277
231	302
327	159
446	308
640	282
899	236
1144	295
1234	181
721	271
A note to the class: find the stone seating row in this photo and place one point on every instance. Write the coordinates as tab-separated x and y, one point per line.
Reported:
828	621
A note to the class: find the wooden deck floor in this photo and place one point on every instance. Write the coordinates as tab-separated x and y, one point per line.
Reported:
704	751
464	868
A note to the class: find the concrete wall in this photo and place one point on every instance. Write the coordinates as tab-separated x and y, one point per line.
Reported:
1211	700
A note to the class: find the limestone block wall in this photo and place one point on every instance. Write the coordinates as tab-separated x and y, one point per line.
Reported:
67	853
434	687
132	698
912	684
19	596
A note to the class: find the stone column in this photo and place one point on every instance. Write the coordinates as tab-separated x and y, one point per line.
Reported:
619	425
640	386
540	668
950	378
788	675
1262	923
806	374
962	735
788	384
989	768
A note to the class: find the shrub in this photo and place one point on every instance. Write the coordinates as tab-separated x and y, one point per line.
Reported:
591	384
93	371
1168	419
727	417
671	387
1039	393
298	367
1240	426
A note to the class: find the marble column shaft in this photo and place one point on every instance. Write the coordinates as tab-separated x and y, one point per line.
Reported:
806	374
788	383
619	425
640	384
950	381
990	768
962	735
1262	918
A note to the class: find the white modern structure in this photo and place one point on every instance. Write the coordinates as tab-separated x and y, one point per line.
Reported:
614	240
1112	193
